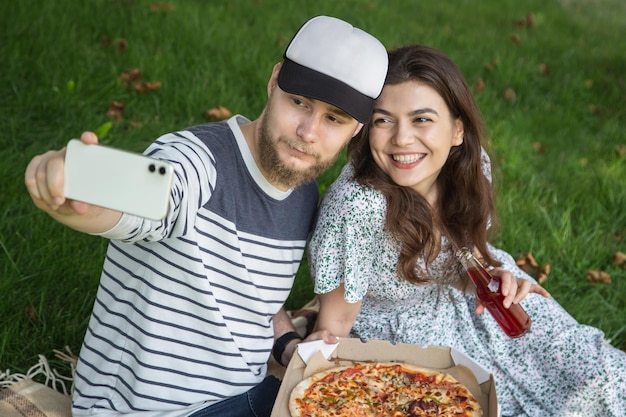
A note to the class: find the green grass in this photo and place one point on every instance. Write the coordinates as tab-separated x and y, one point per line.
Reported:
60	68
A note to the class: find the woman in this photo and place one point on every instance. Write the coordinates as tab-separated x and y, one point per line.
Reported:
416	189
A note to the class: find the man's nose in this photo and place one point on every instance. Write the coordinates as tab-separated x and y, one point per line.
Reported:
309	128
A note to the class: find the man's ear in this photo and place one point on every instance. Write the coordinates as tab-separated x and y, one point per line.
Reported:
358	129
273	81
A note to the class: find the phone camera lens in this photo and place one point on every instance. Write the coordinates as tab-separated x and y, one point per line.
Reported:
162	170
151	168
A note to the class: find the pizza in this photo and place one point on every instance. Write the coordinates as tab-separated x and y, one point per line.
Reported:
381	389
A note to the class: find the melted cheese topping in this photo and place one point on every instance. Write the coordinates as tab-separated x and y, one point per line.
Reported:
388	390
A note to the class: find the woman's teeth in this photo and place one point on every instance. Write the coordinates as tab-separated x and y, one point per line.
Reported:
407	159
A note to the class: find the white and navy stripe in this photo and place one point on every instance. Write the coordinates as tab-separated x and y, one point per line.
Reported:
183	315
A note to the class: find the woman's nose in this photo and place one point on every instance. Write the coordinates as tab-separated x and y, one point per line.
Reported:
403	135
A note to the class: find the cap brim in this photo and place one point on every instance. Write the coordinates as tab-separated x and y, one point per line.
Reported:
297	79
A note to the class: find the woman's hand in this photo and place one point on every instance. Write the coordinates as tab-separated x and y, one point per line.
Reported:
514	289
290	349
324	335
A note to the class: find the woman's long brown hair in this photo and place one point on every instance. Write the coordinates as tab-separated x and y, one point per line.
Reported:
465	207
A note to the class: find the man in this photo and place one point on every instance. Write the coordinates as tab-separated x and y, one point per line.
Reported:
189	308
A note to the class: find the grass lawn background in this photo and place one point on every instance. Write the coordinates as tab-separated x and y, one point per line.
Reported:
548	76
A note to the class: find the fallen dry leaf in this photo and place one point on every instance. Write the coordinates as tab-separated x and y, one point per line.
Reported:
539	147
621	150
145	86
116	111
527	21
120	43
594	109
520	23
516	38
509	94
281	41
545	69
491	66
131	78
528	264
480	85
619	259
522	263
543	274
161	7
129	75
598	276
218	113
31	313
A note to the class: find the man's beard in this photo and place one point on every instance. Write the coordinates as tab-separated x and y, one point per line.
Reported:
275	169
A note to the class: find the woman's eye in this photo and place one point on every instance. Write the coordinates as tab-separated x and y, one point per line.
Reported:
421	120
381	120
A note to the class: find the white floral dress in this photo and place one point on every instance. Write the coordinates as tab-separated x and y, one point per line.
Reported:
559	368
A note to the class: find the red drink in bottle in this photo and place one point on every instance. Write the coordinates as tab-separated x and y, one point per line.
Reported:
514	320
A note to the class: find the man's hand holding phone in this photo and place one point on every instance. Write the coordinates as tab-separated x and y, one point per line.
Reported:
87	186
44	180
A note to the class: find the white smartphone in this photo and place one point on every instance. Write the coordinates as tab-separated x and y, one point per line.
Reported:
120	180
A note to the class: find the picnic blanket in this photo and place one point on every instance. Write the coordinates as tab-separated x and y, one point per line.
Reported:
21	395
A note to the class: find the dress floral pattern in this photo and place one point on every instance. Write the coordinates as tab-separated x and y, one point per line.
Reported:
559	368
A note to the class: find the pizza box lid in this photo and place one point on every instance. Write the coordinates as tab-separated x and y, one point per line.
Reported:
317	356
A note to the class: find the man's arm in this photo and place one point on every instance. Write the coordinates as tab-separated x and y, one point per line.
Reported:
283	328
44	179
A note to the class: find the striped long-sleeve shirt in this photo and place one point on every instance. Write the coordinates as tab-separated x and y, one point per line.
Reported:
183	313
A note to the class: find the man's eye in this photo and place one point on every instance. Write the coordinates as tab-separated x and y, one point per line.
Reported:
297	102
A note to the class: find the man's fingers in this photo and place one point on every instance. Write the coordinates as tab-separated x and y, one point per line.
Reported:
55	176
89	138
44	178
30	177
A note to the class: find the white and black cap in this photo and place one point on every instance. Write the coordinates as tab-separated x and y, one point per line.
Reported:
332	61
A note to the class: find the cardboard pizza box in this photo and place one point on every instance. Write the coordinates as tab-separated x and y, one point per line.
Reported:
308	360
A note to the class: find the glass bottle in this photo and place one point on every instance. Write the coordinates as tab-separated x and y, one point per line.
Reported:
514	320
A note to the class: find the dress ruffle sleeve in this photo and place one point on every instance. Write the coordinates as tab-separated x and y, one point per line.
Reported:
343	246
